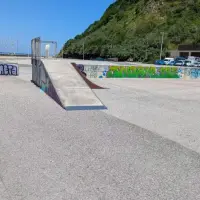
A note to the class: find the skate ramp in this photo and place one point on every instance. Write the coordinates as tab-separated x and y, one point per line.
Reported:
60	80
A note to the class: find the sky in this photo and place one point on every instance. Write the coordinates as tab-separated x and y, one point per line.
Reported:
57	20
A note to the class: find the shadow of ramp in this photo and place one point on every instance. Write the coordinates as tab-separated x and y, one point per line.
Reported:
62	82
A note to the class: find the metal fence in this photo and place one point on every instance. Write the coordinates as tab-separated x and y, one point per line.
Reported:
48	49
36	59
37	53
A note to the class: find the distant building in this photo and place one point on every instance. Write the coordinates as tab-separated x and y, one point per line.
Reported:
186	50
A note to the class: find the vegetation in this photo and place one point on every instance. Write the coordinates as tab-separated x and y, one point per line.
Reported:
133	29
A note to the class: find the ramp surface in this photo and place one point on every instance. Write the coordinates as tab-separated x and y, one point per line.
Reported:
71	89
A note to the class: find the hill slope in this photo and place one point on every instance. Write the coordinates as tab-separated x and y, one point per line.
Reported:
133	29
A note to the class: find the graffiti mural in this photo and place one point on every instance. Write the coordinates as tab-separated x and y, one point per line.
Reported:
93	71
102	71
195	73
142	72
82	69
8	69
181	72
189	73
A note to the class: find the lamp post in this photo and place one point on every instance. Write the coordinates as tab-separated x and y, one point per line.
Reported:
161	47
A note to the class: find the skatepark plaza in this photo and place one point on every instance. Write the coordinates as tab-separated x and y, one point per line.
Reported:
78	129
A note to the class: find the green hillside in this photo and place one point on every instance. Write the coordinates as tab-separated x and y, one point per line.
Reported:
133	29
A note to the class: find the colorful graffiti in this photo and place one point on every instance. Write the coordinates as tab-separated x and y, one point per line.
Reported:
189	73
81	68
9	69
93	71
103	71
142	72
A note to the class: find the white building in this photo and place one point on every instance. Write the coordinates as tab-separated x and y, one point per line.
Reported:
186	50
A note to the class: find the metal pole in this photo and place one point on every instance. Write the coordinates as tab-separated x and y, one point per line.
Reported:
17	51
147	43
161	48
55	49
83	50
63	52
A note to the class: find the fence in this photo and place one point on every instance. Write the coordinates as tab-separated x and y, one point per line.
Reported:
36	59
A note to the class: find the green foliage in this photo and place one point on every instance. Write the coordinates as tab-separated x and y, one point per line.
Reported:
132	29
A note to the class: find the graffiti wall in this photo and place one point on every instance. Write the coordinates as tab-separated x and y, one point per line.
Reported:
102	71
9	69
142	72
94	71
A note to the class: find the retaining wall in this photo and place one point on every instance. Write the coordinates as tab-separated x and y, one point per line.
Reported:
105	71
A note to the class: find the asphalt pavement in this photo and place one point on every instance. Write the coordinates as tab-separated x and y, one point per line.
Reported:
168	107
47	153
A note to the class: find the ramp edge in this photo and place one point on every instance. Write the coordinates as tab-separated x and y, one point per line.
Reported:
73	108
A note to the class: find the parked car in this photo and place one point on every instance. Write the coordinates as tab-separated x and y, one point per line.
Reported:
192	63
99	59
188	63
179	63
168	60
193	58
196	64
180	58
171	63
160	62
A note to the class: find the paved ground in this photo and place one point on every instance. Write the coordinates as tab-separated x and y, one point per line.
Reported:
47	153
170	108
27	60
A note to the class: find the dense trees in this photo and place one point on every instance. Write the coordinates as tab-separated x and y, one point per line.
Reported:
132	29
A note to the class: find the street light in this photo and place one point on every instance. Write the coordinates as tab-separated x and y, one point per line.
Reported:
161	47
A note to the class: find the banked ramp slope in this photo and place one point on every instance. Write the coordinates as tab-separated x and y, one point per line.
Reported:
60	80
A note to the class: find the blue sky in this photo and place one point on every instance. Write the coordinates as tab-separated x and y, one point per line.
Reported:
58	20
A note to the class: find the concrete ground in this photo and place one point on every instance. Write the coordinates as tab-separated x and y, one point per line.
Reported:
47	153
27	60
168	107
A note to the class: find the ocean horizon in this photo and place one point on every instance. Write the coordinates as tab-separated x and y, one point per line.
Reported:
11	53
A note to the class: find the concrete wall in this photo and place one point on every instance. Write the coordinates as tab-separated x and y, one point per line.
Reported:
41	78
174	53
99	71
